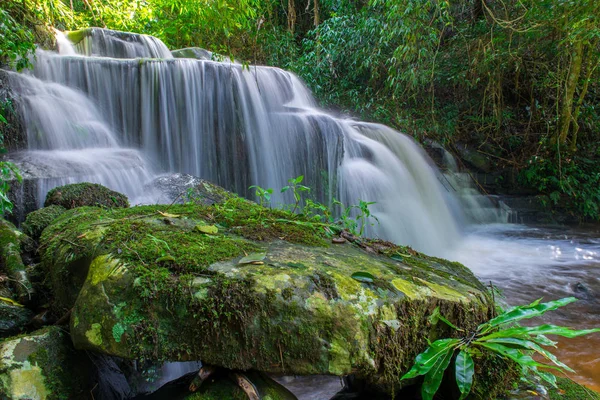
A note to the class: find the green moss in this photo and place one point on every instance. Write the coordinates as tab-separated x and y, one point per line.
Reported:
85	194
570	390
43	364
78	35
10	258
38	220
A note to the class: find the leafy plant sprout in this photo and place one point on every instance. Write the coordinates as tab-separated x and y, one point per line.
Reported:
500	336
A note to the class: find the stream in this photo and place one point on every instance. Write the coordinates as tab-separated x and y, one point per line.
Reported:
527	263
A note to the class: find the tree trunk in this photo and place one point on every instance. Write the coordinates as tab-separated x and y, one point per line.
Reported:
316	12
566	114
291	17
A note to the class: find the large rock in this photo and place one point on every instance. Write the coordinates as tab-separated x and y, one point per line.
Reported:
85	194
43	365
38	220
170	283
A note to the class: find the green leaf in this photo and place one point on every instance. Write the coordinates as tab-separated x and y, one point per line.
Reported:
540	330
437	316
434	377
518	313
208	229
363	276
529	345
427	359
252	258
464	371
515	354
548	377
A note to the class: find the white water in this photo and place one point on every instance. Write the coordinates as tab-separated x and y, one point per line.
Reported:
232	126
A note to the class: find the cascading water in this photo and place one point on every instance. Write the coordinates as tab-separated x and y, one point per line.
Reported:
239	127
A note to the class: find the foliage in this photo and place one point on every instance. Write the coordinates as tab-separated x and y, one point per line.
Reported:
297	189
16	44
574	181
500	336
354	218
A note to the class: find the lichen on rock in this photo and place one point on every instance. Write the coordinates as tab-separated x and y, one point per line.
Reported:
145	283
42	365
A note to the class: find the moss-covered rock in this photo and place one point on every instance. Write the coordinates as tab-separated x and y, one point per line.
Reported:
11	262
245	287
13	318
85	194
226	388
569	390
43	365
38	220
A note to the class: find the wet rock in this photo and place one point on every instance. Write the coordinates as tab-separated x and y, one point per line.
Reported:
37	221
111	382
85	194
13	318
43	365
261	289
193	52
473	158
182	188
582	292
225	387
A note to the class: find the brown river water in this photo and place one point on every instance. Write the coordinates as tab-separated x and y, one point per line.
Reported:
527	263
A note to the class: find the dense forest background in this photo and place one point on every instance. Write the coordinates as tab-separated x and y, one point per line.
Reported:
511	86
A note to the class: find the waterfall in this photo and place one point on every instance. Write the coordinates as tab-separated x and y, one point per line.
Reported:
126	103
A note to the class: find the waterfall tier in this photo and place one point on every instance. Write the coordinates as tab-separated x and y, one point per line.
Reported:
228	124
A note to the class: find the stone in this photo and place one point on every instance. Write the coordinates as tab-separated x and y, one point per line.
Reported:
38	220
13	318
144	289
85	194
43	365
182	188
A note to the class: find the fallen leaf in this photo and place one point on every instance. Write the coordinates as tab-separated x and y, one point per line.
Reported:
252	258
208	229
167	215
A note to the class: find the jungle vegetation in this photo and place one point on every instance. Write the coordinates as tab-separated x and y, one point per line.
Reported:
515	80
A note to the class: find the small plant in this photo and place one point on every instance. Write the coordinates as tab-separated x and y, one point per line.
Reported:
264	195
363	214
296	188
500	336
8	172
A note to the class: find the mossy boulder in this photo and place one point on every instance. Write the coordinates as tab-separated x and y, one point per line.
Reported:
85	194
11	262
225	388
13	318
43	365
570	390
245	287
38	220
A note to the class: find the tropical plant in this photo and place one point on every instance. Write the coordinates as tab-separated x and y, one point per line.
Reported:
500	336
294	184
264	195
